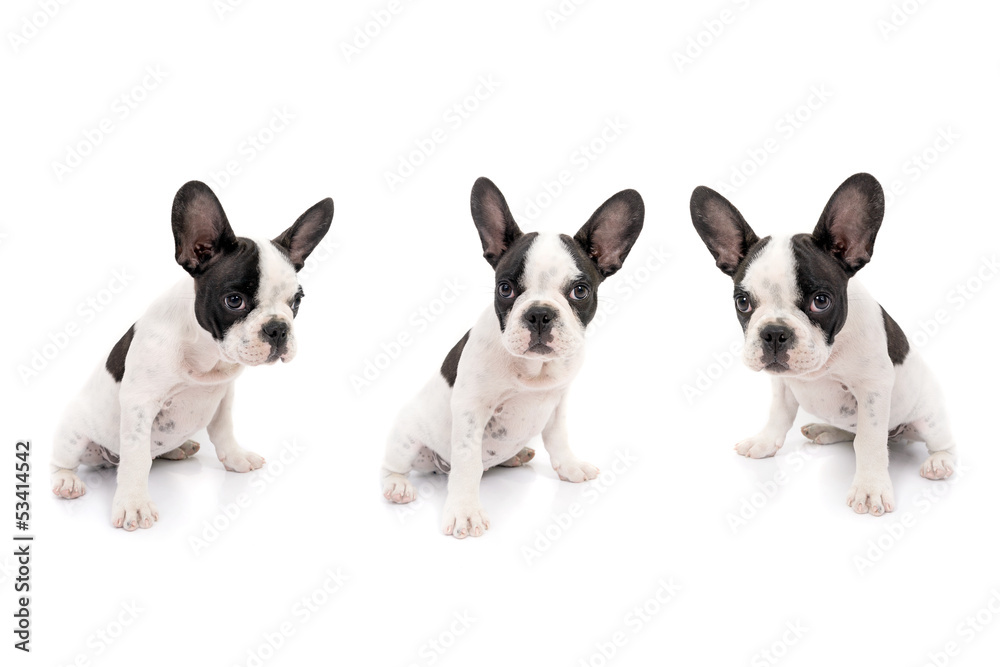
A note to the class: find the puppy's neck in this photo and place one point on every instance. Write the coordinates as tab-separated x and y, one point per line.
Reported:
201	360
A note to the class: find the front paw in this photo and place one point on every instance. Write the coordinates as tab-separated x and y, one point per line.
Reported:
240	460
759	447
463	518
871	495
575	470
131	510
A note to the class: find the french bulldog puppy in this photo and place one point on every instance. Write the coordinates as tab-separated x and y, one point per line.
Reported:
505	381
828	345
172	372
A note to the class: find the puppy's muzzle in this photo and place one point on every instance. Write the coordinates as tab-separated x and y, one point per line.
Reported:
275	332
776	339
539	319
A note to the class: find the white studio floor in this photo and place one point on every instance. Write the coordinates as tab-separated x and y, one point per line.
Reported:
681	552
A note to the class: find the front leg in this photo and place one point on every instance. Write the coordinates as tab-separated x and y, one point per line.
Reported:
555	436
220	431
872	488
132	507
463	513
771	438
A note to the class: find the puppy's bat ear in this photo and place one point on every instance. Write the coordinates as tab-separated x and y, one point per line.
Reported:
304	235
723	229
496	226
611	231
850	221
201	229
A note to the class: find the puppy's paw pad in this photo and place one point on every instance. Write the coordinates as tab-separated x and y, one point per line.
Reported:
575	470
185	451
133	511
241	461
398	489
939	465
520	458
757	447
463	520
825	434
873	497
66	484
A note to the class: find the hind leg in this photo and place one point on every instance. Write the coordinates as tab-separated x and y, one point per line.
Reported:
69	449
936	432
519	459
403	454
826	434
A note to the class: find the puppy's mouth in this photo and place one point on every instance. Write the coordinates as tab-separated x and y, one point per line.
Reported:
776	367
539	348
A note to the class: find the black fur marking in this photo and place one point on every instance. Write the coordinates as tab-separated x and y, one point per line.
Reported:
740	274
449	369
116	360
896	341
236	271
510	269
816	271
590	276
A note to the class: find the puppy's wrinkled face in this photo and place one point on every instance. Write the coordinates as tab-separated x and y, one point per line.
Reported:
791	299
247	300
546	294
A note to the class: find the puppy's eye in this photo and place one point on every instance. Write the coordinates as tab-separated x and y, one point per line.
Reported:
820	303
235	302
295	305
580	292
743	303
505	290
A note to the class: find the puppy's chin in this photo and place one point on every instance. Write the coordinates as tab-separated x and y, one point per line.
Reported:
785	369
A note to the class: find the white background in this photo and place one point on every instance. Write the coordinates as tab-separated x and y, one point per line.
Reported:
862	590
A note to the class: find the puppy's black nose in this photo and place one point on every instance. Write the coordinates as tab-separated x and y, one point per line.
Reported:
275	331
540	318
776	337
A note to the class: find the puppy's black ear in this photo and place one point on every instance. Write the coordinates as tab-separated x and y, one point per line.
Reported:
722	228
302	237
850	221
201	230
497	229
608	236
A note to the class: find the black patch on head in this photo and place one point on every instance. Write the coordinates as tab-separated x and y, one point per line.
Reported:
449	369
116	360
237	271
816	271
896	341
510	269
740	273
590	276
